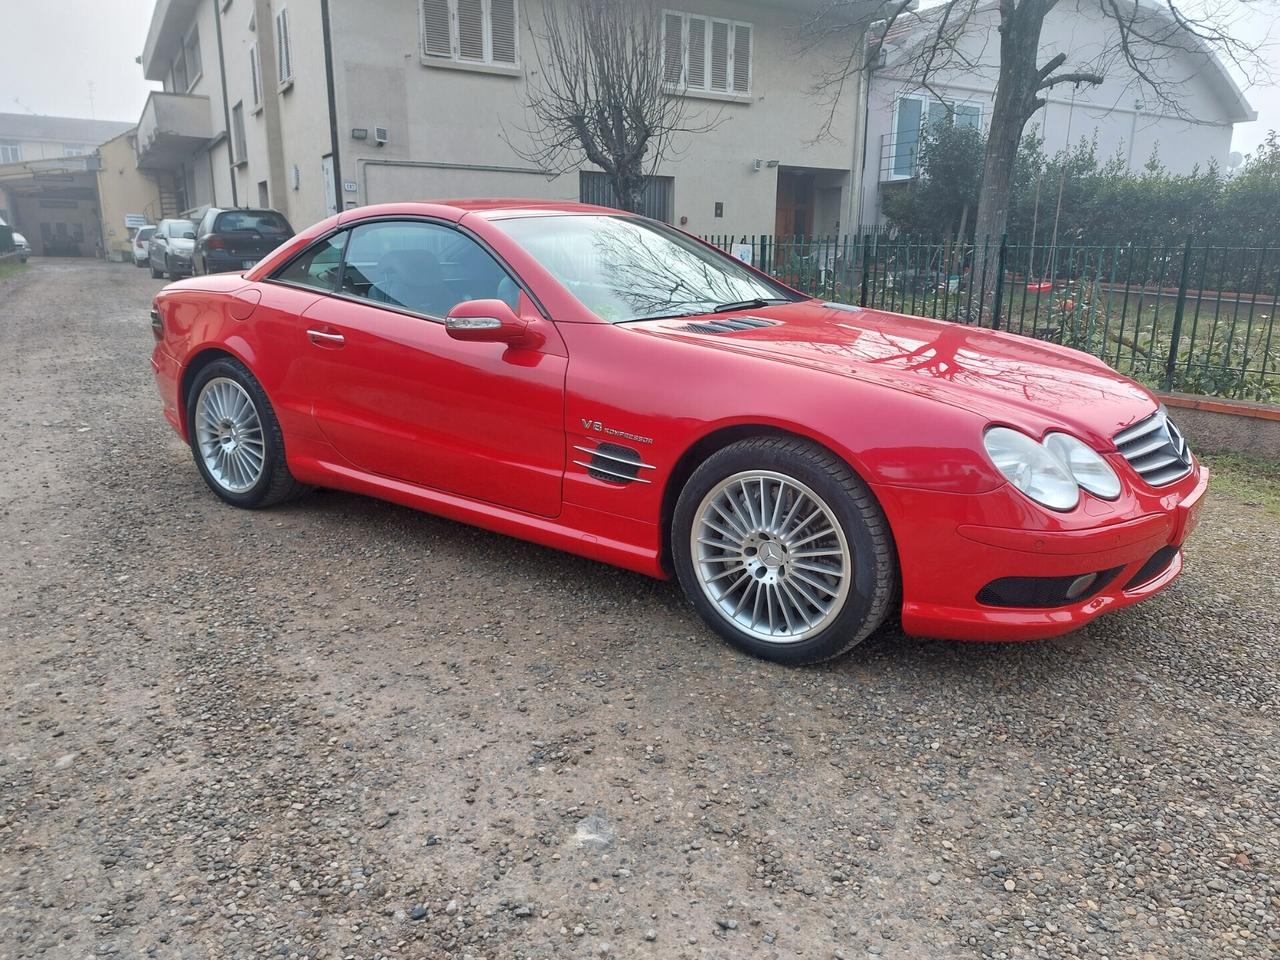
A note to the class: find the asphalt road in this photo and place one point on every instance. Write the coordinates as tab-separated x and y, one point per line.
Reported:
344	729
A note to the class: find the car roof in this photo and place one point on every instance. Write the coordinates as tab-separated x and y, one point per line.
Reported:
490	208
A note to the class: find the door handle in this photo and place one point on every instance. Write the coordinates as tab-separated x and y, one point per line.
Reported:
322	339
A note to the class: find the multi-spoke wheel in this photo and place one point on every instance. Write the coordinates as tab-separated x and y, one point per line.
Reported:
783	550
235	437
229	435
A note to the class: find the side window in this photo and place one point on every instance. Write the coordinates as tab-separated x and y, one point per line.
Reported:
318	266
423	267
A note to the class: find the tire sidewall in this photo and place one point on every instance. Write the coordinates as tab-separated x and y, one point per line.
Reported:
805	466
234	370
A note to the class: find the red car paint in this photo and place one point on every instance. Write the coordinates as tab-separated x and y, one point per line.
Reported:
485	433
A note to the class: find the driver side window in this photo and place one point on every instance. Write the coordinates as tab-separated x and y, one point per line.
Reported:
425	268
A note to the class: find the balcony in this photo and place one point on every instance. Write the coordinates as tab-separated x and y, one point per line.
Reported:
899	157
173	127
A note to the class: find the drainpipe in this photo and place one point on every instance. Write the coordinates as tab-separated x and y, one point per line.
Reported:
226	113
333	105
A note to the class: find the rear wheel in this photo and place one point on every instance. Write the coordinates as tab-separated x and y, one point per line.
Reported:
156	274
236	438
783	550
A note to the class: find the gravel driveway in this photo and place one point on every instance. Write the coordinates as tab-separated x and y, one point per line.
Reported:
344	729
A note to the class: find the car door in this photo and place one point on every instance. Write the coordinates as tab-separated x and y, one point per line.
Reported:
158	240
397	396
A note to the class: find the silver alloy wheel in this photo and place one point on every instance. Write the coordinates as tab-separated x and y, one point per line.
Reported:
229	435
771	556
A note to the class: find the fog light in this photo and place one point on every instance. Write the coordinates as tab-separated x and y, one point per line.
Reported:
1080	585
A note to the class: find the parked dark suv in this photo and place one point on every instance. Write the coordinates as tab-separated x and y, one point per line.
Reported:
237	239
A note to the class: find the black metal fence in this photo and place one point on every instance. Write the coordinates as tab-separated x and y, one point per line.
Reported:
1177	315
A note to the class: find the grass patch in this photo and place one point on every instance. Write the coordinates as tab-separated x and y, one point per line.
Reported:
11	268
1251	480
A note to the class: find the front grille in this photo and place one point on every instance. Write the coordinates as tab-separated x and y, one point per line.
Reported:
1155	449
732	325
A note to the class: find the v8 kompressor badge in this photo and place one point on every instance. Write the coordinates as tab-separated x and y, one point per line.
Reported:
595	426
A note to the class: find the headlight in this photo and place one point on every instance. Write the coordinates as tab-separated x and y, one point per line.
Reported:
1031	468
1086	465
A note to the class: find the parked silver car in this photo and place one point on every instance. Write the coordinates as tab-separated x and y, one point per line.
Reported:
24	248
170	249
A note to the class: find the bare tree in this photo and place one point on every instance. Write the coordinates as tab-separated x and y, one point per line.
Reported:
605	91
1151	43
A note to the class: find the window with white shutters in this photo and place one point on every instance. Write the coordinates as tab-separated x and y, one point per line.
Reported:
672	48
255	76
705	53
284	49
470	31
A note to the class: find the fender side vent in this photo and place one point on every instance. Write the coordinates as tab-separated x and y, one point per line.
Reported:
613	463
734	325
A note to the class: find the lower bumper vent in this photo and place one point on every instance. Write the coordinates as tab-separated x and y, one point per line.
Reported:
1158	564
1045	592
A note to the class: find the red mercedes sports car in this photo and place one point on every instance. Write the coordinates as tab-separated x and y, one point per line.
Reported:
608	385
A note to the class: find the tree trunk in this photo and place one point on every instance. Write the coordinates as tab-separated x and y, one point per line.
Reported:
1016	100
629	187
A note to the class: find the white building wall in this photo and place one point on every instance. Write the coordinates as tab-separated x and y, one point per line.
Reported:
1120	114
447	125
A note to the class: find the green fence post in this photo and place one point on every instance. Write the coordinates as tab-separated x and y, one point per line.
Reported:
866	269
998	298
1176	337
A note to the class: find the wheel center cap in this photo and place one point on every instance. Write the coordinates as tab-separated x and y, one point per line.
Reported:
771	554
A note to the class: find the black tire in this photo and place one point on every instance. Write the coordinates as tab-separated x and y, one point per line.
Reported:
276	484
156	274
873	583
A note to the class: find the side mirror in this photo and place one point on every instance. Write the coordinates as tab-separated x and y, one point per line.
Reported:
485	321
188	235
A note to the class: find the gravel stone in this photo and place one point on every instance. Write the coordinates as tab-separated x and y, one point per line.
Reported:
307	732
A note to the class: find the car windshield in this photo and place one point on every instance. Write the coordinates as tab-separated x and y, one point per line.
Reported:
182	230
623	268
263	222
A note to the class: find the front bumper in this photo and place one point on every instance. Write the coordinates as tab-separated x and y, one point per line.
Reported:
946	564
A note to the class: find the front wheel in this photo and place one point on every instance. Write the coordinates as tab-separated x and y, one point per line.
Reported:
156	274
783	550
236	438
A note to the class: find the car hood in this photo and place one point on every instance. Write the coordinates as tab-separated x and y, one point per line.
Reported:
1002	376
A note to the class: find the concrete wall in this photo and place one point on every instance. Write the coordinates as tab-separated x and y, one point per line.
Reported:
1215	425
123	189
1119	114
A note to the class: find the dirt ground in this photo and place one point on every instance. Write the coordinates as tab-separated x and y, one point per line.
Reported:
343	729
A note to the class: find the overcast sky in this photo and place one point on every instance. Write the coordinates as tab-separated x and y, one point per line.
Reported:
54	49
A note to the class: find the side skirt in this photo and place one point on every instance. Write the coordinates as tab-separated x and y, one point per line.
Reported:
568	532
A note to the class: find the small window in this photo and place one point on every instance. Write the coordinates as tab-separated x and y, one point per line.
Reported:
255	76
10	151
916	116
705	53
318	266
238	152
192	50
470	31
284	49
422	267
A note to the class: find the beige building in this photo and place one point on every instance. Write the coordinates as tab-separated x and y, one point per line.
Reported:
48	188
127	197
314	106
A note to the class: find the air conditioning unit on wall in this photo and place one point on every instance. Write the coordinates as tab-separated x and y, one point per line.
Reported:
380	135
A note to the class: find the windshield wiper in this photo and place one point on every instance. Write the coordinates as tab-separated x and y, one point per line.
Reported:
755	304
